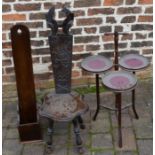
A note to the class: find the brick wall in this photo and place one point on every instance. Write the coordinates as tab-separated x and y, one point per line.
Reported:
92	19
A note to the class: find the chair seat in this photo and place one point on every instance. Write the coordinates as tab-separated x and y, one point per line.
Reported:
62	107
119	81
96	64
133	62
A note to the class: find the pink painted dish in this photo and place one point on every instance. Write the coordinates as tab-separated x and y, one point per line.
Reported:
96	64
133	62
119	80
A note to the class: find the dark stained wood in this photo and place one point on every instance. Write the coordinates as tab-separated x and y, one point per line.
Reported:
97	97
61	56
119	102
133	102
116	50
25	82
29	132
118	96
24	74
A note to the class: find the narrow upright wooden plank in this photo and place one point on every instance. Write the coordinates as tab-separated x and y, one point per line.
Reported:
25	83
24	74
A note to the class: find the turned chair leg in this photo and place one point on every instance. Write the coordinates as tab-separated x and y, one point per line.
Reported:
81	123
50	133
77	132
